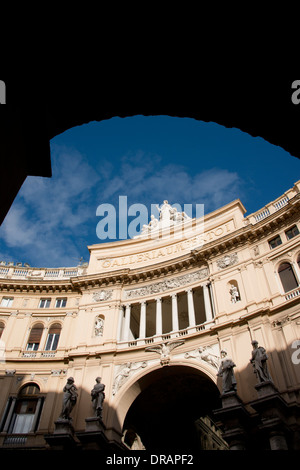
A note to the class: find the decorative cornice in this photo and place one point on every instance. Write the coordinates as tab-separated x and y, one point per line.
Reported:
249	234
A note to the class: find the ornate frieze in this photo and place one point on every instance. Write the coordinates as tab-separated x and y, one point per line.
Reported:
167	284
125	371
227	260
102	295
207	354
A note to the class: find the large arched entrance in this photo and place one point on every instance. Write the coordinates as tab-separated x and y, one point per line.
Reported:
173	411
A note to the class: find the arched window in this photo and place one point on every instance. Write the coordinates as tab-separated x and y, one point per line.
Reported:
27	410
35	337
287	277
53	337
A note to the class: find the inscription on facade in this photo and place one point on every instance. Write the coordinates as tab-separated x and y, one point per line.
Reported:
172	249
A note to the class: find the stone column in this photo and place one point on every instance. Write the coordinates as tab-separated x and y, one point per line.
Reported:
127	323
142	333
120	323
158	317
175	323
207	303
191	310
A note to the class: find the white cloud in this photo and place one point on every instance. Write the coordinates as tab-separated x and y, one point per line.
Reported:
48	214
147	180
53	220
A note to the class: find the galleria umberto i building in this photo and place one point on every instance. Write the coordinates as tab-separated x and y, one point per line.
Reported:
150	316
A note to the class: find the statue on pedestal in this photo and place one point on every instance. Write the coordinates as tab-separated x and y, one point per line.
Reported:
98	396
227	374
69	399
259	361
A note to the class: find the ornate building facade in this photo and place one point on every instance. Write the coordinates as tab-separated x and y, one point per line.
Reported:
150	316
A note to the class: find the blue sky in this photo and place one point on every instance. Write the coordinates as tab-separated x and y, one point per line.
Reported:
147	159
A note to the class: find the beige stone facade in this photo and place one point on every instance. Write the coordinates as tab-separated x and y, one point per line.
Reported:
150	316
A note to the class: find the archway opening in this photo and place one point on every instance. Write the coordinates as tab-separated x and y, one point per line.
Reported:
174	412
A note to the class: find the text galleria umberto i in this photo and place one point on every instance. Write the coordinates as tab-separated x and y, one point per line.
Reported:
160	342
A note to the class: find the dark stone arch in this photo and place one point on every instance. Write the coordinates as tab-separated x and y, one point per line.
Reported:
39	108
171	400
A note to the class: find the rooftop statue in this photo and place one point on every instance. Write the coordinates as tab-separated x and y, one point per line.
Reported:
168	216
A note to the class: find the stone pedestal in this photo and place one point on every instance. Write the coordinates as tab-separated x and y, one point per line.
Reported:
63	436
273	412
93	438
234	418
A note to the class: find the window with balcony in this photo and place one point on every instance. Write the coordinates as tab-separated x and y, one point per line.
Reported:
287	277
44	303
35	337
292	232
276	241
53	337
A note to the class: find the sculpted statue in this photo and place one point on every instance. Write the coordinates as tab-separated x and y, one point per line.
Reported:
235	296
259	361
98	396
227	374
124	372
166	211
99	325
69	399
164	350
205	353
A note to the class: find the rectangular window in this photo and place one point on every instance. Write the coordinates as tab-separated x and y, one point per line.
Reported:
292	232
275	242
7	301
60	303
32	346
44	303
52	342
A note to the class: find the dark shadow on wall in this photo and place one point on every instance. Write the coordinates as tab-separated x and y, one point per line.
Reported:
49	424
40	107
